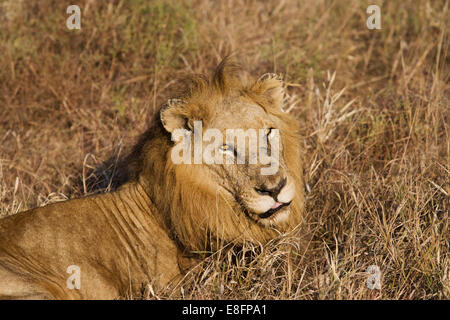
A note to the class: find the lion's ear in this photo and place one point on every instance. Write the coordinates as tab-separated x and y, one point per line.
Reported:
271	86
172	114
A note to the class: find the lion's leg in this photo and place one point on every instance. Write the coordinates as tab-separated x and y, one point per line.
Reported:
15	287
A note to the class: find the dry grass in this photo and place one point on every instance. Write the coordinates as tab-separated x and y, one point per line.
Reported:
377	154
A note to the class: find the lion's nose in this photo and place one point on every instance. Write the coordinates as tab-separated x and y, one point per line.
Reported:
274	191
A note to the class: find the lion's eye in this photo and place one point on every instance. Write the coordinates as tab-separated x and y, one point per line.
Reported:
225	148
270	132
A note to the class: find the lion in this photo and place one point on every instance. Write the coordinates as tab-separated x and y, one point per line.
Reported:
112	245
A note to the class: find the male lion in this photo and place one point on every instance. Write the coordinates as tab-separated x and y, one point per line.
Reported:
144	231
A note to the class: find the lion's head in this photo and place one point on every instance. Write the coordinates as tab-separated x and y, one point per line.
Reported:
240	198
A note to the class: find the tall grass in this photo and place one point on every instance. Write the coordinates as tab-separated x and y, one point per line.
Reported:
373	107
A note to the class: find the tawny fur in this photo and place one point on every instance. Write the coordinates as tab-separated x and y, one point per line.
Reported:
145	231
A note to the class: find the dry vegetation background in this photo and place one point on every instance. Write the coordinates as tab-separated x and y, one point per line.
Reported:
373	107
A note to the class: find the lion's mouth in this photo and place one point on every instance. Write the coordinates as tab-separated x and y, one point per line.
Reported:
269	214
275	208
